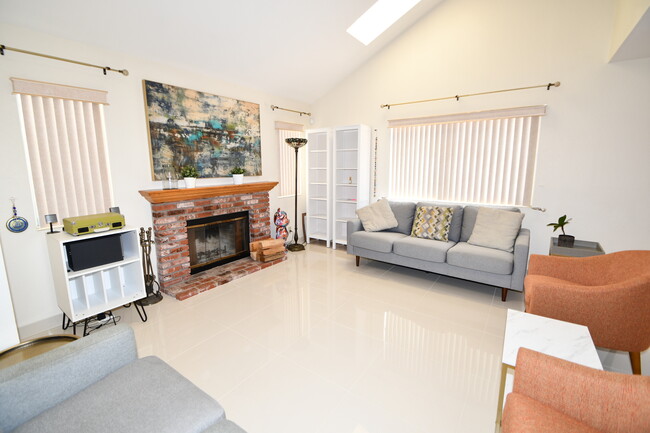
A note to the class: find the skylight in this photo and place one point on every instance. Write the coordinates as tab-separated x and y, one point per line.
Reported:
378	18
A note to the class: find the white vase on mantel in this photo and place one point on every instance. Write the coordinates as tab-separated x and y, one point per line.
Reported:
190	182
237	179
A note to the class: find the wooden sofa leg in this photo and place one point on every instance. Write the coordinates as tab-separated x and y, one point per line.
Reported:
358	258
504	294
635	359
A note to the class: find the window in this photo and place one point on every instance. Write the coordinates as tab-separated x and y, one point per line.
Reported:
65	137
481	157
288	158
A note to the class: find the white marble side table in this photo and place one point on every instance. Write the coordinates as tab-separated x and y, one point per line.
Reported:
553	337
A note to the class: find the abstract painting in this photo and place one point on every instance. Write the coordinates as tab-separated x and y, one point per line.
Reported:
212	133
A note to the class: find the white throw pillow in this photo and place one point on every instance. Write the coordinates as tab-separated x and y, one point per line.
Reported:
377	216
496	228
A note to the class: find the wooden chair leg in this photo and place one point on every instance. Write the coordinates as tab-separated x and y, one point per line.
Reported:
504	294
358	258
635	359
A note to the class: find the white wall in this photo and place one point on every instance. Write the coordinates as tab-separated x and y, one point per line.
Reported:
25	253
593	154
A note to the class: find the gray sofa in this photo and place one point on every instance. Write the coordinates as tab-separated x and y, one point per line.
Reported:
97	384
455	258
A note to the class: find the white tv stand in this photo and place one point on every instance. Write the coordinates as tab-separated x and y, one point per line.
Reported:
86	293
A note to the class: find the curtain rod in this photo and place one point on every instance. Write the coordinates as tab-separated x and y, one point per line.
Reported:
47	56
275	107
457	97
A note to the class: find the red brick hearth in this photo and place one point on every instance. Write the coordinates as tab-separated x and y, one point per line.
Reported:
172	208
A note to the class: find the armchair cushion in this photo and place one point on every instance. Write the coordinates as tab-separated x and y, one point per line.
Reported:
605	401
526	415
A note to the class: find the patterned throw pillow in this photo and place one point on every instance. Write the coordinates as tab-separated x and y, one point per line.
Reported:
432	222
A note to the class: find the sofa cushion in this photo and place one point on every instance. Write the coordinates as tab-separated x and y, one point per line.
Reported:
496	228
478	258
377	216
147	387
423	249
51	377
432	222
381	242
469	219
404	212
456	220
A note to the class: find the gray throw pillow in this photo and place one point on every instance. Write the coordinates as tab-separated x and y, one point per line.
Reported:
496	228
377	216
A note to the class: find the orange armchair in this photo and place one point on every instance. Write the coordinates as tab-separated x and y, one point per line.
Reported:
610	294
553	395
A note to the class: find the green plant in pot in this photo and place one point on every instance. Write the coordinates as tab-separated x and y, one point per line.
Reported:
237	175
563	240
189	174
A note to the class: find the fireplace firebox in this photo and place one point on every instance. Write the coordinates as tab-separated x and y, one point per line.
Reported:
217	240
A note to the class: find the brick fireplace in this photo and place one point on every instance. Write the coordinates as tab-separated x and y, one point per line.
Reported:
172	208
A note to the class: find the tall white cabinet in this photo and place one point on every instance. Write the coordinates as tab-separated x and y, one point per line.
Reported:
319	192
338	180
87	292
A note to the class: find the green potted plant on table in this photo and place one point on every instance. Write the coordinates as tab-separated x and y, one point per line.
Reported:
237	175
189	174
563	240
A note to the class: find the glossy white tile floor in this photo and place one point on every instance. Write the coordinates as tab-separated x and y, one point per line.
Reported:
317	345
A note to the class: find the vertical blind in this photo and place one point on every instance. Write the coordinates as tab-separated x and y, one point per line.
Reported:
481	157
288	157
65	136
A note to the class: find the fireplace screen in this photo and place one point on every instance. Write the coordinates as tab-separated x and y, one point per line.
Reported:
216	240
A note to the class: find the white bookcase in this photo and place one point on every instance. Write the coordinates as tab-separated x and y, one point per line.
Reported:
319	145
88	292
338	180
351	177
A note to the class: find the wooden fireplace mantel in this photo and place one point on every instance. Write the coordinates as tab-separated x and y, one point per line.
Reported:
155	196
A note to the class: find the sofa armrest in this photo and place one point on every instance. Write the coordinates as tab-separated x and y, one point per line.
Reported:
603	400
37	384
522	244
354	225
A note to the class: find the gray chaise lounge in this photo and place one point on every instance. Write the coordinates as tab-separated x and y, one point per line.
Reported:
97	384
455	258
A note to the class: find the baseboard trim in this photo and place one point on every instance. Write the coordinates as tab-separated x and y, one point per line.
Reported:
33	329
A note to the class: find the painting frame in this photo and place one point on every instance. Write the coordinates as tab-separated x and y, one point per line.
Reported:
213	133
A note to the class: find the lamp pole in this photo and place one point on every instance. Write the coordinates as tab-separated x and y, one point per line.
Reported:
296	143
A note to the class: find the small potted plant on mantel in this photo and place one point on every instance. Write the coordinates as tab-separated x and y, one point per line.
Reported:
563	240
237	175
189	174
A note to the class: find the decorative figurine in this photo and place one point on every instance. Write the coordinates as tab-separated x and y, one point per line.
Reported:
281	221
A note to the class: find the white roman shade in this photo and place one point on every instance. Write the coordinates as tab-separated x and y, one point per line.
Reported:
288	157
65	136
480	157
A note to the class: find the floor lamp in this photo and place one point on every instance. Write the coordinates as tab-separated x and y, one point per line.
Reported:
296	143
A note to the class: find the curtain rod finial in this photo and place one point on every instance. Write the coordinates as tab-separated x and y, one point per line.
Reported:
124	72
